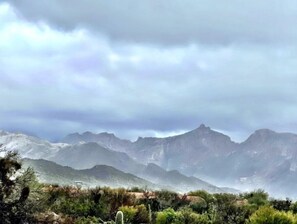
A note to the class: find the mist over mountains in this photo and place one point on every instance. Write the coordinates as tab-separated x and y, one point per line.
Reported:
267	159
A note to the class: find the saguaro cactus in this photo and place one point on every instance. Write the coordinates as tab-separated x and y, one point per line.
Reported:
149	213
119	218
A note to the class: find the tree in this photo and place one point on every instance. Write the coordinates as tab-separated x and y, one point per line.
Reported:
14	190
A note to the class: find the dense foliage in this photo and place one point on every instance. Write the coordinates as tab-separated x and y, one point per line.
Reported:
20	193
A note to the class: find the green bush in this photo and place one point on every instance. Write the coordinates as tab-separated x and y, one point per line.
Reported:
187	216
135	214
258	197
199	206
129	213
167	216
209	198
142	215
268	215
75	207
293	207
281	205
226	210
166	199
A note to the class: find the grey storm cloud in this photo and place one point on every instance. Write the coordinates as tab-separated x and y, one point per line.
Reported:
172	22
147	67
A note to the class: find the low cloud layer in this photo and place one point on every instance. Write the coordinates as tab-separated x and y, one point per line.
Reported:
172	22
147	69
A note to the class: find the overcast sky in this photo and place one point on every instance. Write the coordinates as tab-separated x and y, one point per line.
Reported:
147	68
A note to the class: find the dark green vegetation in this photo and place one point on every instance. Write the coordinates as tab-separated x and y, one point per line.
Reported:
24	200
20	193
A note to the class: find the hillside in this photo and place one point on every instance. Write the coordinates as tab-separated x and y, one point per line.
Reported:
100	175
87	155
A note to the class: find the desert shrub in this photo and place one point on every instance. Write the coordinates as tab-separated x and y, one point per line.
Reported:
167	216
142	215
86	220
153	202
187	216
116	198
227	211
136	189
203	202
281	205
75	202
129	213
75	207
209	198
169	199
180	201
200	206
258	197
268	215
135	214
166	198
294	207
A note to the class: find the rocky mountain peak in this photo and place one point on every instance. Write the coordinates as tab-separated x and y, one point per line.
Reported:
87	133
261	134
202	129
206	132
106	134
264	132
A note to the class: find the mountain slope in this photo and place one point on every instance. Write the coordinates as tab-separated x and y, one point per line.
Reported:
267	159
29	146
270	160
102	175
87	155
175	180
188	152
116	177
50	172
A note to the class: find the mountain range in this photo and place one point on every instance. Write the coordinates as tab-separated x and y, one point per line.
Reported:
267	159
52	162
